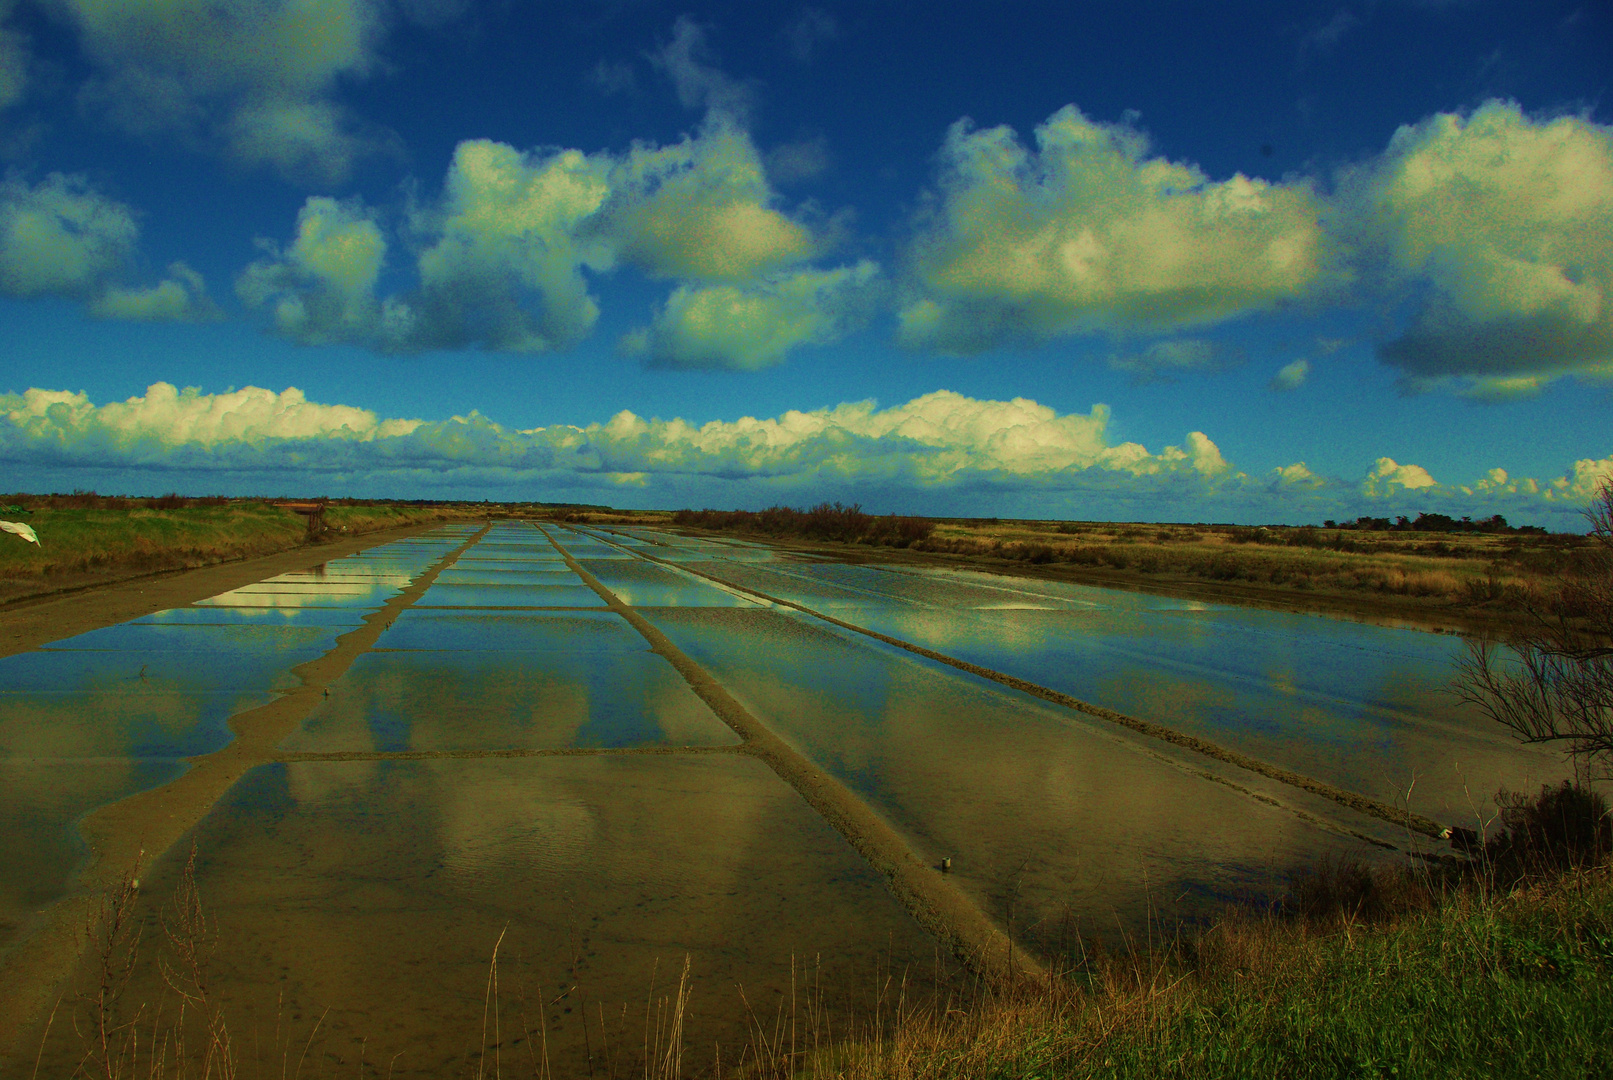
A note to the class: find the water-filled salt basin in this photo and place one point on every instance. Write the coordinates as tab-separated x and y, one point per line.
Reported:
511	754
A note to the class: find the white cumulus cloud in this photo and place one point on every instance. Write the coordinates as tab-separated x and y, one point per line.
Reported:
1508	222
755	326
254	78
167	421
1586	478
180	297
321	289
510	241
700	208
942	452
1296	475
941	439
1087	232
504	254
1388	478
63	238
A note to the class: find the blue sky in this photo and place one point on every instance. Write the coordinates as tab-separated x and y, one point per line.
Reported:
1230	262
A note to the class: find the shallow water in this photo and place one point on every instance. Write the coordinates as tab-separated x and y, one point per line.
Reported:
254	616
82	728
511	755
369	896
500	700
370	597
1364	707
1077	826
572	593
91	719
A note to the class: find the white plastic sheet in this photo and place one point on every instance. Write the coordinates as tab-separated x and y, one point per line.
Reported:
24	531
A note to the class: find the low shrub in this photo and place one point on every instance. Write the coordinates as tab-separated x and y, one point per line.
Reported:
1563	828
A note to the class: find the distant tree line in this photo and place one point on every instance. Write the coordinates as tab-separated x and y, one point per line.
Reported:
1435	523
826	521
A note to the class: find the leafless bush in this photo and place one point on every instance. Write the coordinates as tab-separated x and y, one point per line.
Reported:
1553	682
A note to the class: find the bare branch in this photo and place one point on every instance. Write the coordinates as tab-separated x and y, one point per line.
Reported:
1554	683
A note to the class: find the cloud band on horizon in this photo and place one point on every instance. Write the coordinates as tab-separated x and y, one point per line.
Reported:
938	453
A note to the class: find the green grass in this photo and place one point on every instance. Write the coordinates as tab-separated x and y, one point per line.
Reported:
86	539
1476	988
1482	984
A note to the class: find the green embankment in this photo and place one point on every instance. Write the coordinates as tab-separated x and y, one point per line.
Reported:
1498	987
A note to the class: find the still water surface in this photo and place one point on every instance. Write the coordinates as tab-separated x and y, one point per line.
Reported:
511	756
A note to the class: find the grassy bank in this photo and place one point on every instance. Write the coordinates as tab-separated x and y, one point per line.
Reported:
88	539
1483	984
1504	570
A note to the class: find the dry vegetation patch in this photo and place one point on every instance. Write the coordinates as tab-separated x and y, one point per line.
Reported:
1499	570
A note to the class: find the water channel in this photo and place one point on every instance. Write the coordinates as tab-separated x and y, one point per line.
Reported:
511	764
